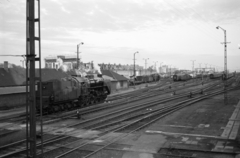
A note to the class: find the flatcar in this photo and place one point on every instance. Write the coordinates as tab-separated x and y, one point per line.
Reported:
69	92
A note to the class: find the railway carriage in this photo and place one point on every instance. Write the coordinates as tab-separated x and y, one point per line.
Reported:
145	79
156	77
181	77
216	75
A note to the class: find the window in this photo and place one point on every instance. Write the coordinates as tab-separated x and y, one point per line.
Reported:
121	83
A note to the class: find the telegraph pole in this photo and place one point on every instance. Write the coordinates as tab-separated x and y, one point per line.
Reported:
170	71
193	65
155	62
200	67
146	65
134	73
78	54
160	67
225	75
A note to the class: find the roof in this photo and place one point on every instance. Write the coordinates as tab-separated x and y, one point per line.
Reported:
50	58
114	75
108	77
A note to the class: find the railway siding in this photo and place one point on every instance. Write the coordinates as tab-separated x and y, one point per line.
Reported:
193	129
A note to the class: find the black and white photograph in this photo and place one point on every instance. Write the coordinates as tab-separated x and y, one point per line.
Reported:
119	78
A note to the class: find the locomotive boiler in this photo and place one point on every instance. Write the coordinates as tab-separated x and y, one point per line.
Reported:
72	92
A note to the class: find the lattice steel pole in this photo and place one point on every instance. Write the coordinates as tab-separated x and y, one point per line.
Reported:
225	75
30	58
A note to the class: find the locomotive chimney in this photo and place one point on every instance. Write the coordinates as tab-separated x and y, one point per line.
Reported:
5	65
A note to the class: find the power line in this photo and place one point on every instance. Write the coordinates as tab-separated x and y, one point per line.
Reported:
87	52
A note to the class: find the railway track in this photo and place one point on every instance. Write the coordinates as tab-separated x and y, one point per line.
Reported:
159	86
139	97
145	92
18	149
139	123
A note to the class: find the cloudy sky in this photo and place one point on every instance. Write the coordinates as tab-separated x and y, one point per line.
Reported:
170	31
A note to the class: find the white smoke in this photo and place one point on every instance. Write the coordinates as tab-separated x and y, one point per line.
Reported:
96	67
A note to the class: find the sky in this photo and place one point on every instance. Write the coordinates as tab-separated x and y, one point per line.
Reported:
166	32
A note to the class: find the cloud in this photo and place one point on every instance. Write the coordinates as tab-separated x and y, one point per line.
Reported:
218	10
125	15
110	26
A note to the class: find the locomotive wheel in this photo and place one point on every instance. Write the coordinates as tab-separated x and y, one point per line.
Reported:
94	99
87	102
61	107
65	107
50	110
69	106
75	104
55	109
80	102
84	102
91	100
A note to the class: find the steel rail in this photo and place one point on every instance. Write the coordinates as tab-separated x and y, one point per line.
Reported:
164	87
146	124
117	127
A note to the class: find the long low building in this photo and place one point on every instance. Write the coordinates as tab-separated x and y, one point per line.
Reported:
118	82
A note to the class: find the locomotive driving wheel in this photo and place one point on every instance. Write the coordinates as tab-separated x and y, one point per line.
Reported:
91	99
80	102
69	106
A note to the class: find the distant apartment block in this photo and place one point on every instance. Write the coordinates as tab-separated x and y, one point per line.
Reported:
127	70
66	63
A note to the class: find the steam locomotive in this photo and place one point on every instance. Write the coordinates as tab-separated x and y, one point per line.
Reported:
71	92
